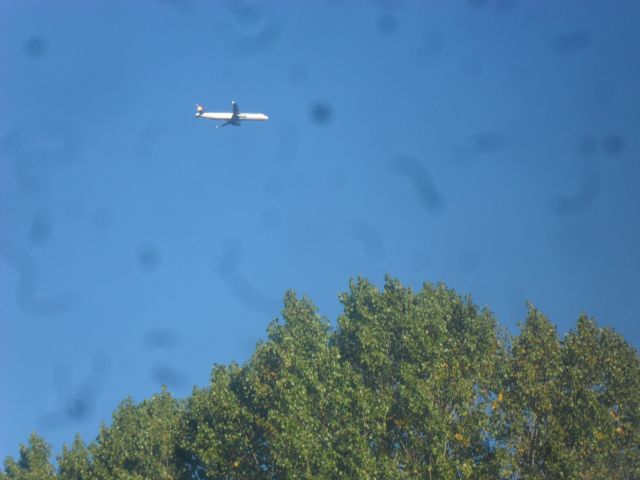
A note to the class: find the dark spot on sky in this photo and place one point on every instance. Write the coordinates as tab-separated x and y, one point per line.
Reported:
422	182
166	375
321	113
587	145
26	290
160	338
35	47
40	230
387	24
228	268
613	144
370	240
578	39
148	258
77	408
486	143
582	200
38	150
76	402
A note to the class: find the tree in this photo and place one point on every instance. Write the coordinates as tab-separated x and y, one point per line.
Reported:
430	361
33	463
600	408
532	435
142	442
74	463
407	385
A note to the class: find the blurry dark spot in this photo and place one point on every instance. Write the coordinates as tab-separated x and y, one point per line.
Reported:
298	74
486	143
238	285
77	409
233	253
148	258
257	43
40	229
603	92
321	113
160	338
165	375
613	144
35	47
370	240
468	260
569	42
587	145
26	290
432	46
34	152
77	402
582	200
420	179
270	217
102	219
387	24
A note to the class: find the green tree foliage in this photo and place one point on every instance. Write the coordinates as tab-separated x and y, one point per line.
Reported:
74	463
408	385
33	463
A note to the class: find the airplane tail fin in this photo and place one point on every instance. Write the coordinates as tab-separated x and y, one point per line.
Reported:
199	110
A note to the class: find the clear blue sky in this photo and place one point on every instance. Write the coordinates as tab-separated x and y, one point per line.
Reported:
493	145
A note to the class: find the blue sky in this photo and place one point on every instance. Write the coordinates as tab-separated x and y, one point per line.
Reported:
492	145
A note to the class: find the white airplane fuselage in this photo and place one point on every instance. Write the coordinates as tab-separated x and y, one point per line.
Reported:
230	118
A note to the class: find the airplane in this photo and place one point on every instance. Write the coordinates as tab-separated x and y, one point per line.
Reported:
229	118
